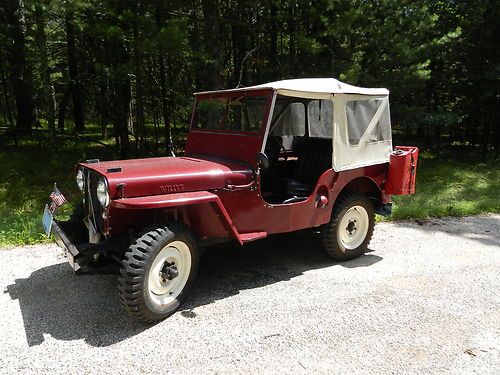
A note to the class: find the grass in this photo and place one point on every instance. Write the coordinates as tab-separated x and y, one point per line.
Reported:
447	185
27	176
452	185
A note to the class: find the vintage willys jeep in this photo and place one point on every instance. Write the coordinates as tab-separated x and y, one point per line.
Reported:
260	160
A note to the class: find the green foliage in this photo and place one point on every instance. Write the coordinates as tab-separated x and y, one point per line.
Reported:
440	59
27	177
452	186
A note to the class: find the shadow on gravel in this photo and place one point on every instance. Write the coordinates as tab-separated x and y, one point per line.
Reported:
54	301
483	229
227	269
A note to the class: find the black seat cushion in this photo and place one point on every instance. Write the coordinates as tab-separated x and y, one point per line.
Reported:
314	157
291	187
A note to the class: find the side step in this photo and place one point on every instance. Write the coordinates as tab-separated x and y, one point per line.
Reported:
249	237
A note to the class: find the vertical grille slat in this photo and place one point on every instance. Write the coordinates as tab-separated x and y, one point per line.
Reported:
93	208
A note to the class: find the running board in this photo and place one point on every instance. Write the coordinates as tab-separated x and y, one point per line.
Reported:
249	237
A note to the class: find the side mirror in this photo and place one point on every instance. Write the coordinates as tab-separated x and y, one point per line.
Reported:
262	161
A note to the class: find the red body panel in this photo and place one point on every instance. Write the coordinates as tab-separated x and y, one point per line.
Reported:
250	213
236	146
156	176
215	217
165	200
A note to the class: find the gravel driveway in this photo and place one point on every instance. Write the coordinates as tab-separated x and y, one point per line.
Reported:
425	299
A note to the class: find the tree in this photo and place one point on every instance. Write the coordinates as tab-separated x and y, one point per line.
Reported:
74	77
20	73
47	88
134	64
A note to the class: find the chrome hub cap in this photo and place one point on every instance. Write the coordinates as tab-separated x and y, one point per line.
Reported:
169	273
353	228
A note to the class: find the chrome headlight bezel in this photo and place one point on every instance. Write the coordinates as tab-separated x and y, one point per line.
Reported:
102	192
80	179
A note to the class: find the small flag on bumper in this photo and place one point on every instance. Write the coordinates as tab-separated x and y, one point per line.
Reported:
57	198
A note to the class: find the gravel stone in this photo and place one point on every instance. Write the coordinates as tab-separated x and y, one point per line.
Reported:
425	299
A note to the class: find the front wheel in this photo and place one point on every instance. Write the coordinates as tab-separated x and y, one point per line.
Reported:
350	230
157	272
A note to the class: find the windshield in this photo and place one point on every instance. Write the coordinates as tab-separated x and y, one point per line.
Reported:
241	114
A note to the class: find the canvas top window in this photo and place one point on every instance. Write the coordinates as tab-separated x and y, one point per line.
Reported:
320	118
292	116
363	113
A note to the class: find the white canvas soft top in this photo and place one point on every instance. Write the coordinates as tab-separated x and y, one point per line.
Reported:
308	87
358	117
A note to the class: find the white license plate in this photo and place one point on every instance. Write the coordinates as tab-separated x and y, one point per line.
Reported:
47	220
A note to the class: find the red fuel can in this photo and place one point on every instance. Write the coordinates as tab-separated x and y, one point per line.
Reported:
402	171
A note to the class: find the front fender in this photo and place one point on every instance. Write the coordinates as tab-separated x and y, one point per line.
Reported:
165	200
180	200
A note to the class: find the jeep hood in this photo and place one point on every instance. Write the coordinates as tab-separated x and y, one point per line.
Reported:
154	176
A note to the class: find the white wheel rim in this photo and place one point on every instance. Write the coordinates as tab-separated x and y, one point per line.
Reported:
353	228
162	291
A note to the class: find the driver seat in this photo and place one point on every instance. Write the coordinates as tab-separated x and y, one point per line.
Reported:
314	157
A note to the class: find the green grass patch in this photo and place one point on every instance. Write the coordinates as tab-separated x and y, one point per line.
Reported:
452	186
27	176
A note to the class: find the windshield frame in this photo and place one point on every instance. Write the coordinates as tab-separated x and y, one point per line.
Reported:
227	96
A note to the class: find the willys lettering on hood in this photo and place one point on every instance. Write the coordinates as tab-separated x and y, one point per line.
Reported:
142	177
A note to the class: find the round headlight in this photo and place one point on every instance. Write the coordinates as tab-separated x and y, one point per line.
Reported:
80	179
102	192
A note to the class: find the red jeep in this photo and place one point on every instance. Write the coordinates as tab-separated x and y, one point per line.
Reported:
260	160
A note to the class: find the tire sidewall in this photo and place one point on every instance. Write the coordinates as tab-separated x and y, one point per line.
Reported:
330	231
366	204
162	311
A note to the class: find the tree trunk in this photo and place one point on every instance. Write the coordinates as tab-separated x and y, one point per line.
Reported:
74	79
239	39
121	100
211	32
292	51
4	113
6	95
48	90
61	108
139	103
273	58
102	106
163	86
20	71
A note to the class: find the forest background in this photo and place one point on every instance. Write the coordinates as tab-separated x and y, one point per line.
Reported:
114	78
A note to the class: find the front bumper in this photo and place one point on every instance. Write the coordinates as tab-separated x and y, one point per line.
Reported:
73	238
64	241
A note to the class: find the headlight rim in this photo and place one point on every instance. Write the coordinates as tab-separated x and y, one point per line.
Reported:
103	196
80	183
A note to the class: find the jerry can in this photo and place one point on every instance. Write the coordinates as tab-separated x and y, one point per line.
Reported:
402	171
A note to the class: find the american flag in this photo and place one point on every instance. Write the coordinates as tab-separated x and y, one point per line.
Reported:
57	197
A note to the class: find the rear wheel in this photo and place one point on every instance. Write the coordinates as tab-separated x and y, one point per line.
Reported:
350	230
158	271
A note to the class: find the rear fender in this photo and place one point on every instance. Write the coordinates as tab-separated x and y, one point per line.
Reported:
370	188
366	186
201	210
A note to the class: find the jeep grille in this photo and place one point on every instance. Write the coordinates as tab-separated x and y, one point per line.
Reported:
93	209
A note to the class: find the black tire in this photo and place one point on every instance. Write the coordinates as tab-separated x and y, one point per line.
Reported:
136	274
336	234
